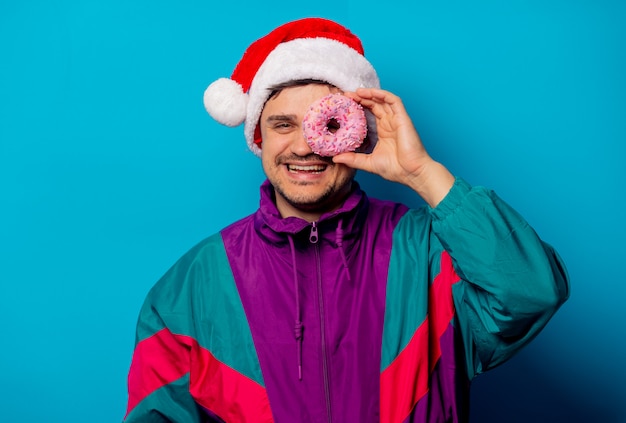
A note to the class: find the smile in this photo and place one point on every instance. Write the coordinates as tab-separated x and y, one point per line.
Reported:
309	169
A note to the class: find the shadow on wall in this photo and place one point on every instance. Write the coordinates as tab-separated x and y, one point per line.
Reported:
518	392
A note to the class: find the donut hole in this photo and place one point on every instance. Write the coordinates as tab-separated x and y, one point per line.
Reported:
333	125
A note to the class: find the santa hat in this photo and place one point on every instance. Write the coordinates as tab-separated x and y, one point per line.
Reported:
310	48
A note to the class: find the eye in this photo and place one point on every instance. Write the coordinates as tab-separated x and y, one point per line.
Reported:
282	127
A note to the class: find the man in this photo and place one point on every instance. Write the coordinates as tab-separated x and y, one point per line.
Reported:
326	305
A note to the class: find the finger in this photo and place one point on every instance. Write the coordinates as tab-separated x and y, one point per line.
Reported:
364	101
378	108
352	95
370	104
366	92
354	160
376	93
382	97
391	103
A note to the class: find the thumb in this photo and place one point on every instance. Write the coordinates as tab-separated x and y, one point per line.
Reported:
354	160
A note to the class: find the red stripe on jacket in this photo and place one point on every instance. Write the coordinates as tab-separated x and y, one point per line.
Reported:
405	381
165	357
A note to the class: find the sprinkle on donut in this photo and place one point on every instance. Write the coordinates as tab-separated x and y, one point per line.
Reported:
334	124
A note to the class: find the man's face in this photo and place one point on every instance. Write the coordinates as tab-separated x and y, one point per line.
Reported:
306	184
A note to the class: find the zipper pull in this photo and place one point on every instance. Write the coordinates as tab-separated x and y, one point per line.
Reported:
313	237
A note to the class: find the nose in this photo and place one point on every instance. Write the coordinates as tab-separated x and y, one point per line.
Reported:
299	146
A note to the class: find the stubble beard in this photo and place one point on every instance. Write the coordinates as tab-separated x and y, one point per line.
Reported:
329	198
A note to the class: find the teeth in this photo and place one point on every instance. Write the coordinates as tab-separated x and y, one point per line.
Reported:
301	168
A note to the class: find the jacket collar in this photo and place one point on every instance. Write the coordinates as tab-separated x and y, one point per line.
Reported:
270	225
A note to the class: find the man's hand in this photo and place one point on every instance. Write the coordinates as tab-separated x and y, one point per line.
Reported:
399	154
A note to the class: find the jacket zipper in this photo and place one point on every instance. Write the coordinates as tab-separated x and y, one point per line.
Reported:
313	238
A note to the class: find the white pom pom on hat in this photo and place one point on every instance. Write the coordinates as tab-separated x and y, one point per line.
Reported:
310	48
226	102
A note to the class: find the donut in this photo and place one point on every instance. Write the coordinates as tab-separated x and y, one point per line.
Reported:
334	124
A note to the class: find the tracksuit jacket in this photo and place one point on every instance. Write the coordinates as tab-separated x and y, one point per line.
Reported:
375	312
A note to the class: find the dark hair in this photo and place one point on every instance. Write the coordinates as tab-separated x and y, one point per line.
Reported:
276	89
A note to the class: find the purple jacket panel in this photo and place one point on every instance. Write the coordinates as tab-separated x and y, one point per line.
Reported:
338	289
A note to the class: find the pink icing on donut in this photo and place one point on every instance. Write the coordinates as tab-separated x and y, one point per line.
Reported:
334	124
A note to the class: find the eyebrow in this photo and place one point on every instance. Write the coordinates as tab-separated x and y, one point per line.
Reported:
281	118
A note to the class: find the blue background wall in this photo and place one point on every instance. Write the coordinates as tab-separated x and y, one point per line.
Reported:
110	170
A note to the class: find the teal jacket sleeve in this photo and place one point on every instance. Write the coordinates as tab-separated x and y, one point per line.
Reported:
158	379
512	282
